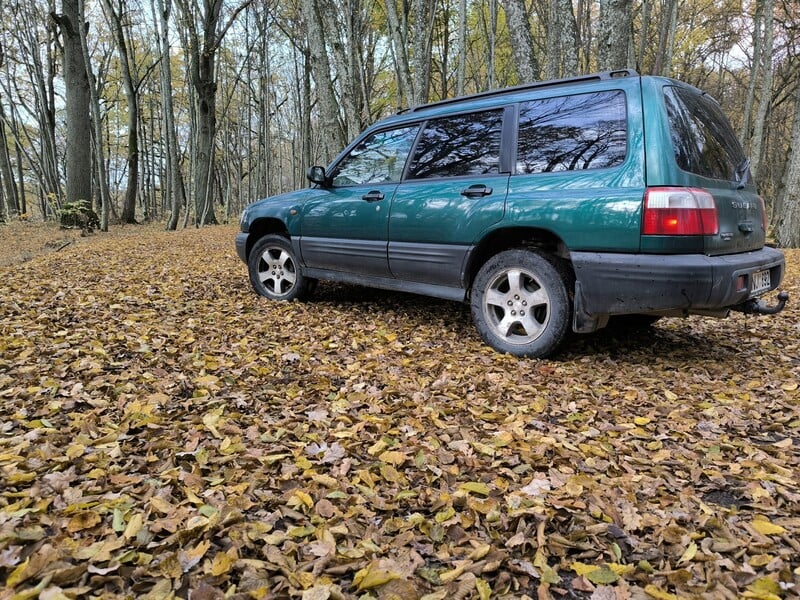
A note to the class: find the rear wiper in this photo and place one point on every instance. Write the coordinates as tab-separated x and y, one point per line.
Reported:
743	173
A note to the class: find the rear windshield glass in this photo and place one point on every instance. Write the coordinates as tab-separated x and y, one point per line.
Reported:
572	133
702	138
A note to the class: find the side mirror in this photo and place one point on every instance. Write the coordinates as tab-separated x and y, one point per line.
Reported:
317	175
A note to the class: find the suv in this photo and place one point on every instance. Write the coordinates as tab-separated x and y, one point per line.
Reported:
552	206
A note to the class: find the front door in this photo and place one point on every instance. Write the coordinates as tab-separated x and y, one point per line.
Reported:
345	228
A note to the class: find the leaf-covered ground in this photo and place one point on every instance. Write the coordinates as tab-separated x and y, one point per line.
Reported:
164	432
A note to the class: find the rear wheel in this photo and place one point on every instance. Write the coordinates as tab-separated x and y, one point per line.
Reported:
520	303
275	270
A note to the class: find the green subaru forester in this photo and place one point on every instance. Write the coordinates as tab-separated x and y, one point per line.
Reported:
549	206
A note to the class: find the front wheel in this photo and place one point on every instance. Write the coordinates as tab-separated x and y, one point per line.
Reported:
275	271
520	304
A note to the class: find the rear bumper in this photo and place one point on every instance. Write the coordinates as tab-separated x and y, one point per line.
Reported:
609	284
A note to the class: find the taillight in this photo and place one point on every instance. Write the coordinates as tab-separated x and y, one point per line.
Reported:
679	211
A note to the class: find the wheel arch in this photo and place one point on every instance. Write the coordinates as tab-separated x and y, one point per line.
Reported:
514	237
264	226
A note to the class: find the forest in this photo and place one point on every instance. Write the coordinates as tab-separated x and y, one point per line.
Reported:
184	112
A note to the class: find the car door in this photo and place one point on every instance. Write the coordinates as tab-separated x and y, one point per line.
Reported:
345	228
454	190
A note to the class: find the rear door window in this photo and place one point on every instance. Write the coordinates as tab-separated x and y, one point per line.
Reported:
459	146
702	138
572	133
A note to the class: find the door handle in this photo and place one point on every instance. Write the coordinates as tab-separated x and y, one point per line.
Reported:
373	196
476	191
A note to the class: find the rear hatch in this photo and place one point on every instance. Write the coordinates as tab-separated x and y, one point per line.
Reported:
712	161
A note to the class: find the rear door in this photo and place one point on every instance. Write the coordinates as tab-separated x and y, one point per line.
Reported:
455	189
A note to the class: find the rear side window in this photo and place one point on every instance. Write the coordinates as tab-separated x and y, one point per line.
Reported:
572	133
702	138
459	146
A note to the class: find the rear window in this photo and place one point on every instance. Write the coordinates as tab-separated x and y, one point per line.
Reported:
702	138
572	133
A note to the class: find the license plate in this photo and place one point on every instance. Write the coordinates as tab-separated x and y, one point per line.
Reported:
760	282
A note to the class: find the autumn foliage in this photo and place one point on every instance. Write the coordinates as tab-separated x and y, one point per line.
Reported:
164	432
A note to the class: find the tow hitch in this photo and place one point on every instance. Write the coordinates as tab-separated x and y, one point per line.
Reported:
759	307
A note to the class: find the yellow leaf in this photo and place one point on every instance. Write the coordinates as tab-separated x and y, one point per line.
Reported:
764	527
304	497
641	420
18	575
300	532
75	450
393	457
133	527
475	488
83	520
790	386
670	396
658	593
689	553
189	558
582	568
160	505
211	419
372	576
764	589
377	448
221	564
760	560
484	589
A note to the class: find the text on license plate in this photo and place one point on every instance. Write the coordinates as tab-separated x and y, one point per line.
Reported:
760	282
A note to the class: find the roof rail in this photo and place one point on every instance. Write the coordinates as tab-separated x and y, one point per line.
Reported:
529	86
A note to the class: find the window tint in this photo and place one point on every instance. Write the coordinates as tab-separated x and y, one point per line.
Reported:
702	138
585	131
459	145
378	158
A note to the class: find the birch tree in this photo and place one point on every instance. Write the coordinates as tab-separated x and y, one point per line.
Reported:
76	96
788	231
519	29
766	70
613	36
205	30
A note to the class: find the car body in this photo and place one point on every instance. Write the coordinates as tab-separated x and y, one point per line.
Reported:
550	206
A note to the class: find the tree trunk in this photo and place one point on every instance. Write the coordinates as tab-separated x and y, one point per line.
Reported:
100	159
114	18
519	30
461	68
174	173
758	38
9	187
333	135
788	232
766	92
76	96
613	36
422	32
398	36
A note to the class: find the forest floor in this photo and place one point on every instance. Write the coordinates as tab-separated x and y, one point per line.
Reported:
164	432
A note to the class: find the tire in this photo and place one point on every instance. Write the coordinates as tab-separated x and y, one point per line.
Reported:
521	304
275	270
